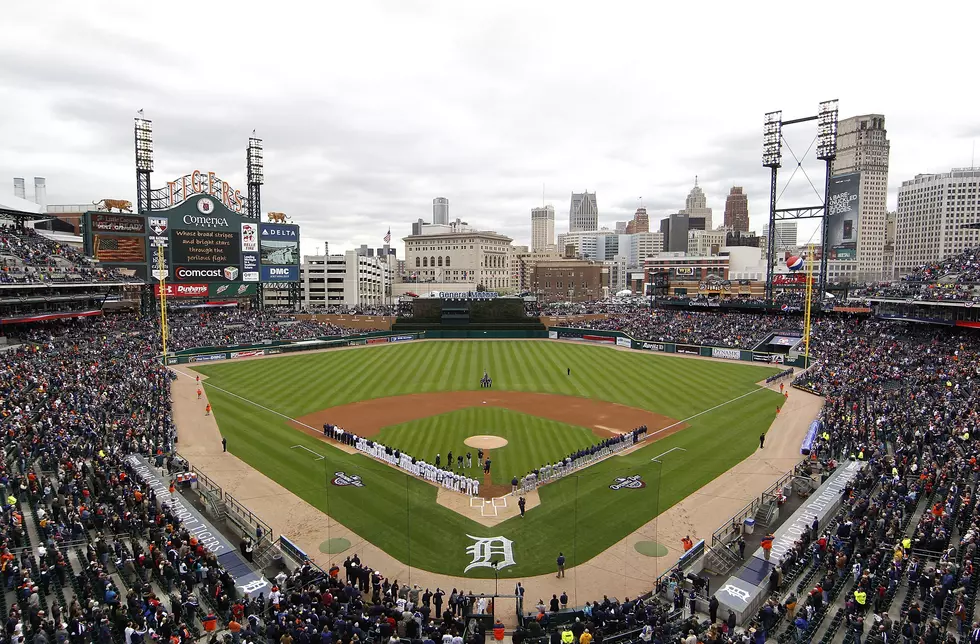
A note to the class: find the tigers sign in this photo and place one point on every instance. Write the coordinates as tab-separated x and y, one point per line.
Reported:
199	182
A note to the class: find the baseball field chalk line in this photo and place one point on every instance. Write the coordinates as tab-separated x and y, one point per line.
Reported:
484	504
319	457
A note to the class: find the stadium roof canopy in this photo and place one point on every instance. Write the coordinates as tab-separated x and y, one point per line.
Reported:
15	206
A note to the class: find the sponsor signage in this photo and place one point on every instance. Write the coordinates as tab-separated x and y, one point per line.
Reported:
377	341
211	357
598	338
183	290
727	354
250	238
248	354
280	274
853	309
279	244
231	290
688	349
468	295
105	222
341	480
207	273
270	352
158	225
159	242
654	346
173	360
624	342
357	343
250	261
400	338
772	358
628	483
843	212
687	271
552	335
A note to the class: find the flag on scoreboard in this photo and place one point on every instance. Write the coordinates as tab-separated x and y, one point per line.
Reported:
119	249
388	237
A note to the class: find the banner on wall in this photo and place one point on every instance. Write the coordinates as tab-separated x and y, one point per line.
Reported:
624	342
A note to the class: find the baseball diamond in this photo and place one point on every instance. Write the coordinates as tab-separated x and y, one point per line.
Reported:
549	400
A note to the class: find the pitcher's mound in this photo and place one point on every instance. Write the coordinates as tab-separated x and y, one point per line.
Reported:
485	442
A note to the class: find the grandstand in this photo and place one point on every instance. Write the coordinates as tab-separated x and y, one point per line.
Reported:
93	553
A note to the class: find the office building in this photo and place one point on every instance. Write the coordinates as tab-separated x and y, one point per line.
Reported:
696	205
440	210
674	229
583	214
522	261
938	216
582	243
351	279
705	242
621	227
863	147
542	227
459	256
640	222
644	246
785	234
569	280
737	210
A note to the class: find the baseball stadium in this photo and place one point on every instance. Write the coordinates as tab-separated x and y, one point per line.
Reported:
183	461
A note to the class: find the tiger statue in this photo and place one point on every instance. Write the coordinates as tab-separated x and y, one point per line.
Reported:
278	217
118	204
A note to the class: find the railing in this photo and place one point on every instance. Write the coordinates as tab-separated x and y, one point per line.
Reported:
233	506
733	526
202	478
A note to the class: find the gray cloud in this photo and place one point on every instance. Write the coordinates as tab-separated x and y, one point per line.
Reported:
368	110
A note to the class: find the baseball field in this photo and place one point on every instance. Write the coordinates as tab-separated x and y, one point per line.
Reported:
547	399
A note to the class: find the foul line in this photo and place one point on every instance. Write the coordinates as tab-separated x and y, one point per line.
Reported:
248	400
319	457
702	413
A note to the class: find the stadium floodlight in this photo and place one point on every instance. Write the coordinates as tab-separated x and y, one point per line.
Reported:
772	132
253	161
827	131
144	144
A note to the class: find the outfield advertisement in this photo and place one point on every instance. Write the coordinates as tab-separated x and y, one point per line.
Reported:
247	354
727	354
211	357
689	349
624	342
400	338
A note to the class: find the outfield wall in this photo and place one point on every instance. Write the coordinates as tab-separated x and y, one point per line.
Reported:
616	338
362	322
621	339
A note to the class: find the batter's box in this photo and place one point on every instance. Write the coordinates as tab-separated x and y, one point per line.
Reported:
476	502
502	504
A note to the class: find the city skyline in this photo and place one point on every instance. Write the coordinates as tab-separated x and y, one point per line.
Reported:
479	128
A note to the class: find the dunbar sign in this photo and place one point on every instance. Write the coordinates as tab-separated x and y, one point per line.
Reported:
183	290
198	183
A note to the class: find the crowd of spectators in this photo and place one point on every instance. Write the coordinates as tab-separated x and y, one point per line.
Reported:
964	267
27	257
735	330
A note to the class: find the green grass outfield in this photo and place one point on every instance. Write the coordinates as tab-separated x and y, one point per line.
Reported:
579	515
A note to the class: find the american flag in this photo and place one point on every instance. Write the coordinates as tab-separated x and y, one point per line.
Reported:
119	249
388	237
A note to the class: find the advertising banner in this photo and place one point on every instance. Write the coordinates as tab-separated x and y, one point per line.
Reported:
684	271
250	237
624	342
279	244
842	211
727	354
248	354
207	273
653	346
552	335
280	274
108	223
598	338
378	341
401	338
771	358
183	290
688	349
250	267
211	357
232	290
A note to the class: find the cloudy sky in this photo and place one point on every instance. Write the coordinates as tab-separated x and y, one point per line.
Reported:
368	110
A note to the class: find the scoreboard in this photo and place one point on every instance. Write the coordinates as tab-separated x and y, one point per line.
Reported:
203	242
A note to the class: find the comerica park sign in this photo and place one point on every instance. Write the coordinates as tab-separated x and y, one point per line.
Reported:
198	182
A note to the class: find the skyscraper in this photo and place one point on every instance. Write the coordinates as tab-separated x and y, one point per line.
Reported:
440	211
737	210
786	234
936	218
863	147
542	227
640	222
697	205
583	213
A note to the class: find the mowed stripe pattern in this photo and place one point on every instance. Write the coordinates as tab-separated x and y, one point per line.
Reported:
672	386
531	441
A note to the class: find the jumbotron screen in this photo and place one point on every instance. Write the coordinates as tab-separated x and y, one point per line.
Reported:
784	340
